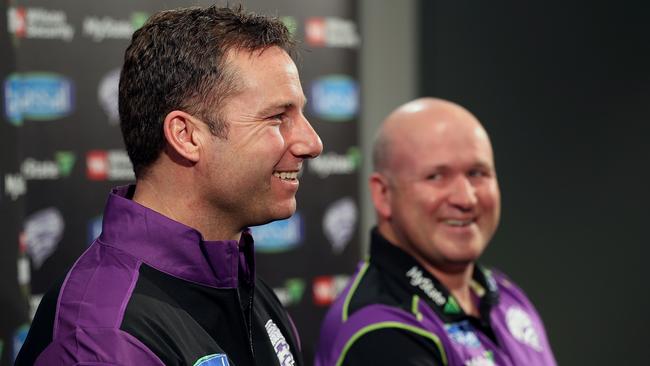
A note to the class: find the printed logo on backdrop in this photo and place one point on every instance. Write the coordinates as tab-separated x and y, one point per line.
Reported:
340	223
292	291
327	288
25	275
279	236
108	94
23	267
522	327
331	32
101	28
280	345
34	302
39	23
94	228
333	163
19	337
15	185
37	96
43	232
335	98
60	167
108	165
291	23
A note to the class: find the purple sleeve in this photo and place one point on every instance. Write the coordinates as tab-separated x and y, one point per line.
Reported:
97	346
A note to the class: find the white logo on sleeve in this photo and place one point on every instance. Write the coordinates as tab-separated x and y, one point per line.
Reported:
280	344
522	328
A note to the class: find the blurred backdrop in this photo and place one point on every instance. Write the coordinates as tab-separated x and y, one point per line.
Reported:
563	88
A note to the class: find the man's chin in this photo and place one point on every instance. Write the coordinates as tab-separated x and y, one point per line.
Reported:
283	211
457	265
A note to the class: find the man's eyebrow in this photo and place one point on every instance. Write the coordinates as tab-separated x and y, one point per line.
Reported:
278	107
483	164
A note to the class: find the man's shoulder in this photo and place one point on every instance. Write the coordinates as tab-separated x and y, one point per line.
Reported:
509	291
369	291
85	306
373	329
374	306
372	286
97	346
96	288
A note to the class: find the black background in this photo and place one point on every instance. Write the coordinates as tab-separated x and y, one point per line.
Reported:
563	89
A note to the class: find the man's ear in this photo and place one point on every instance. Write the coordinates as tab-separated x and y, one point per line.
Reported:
181	132
380	194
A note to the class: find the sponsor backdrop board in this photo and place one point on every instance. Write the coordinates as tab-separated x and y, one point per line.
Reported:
62	150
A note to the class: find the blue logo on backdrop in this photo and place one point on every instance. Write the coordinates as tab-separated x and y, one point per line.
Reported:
335	98
19	338
279	236
217	359
94	228
463	334
37	96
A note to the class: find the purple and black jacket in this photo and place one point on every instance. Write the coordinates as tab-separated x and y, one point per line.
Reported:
151	291
394	312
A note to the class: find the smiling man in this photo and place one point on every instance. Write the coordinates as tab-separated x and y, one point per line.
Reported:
211	111
421	298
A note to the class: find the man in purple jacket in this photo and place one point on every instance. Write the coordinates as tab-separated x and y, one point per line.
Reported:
211	113
421	298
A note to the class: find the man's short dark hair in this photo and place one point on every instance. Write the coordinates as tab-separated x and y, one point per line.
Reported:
177	61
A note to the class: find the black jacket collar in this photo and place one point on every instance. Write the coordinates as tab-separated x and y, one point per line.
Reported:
406	270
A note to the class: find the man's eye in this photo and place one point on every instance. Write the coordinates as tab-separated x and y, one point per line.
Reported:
434	176
477	173
278	117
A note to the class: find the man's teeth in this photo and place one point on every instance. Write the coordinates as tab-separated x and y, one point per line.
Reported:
286	175
458	222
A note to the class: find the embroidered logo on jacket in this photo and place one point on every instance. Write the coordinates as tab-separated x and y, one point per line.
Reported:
426	285
522	328
486	359
216	359
463	334
280	344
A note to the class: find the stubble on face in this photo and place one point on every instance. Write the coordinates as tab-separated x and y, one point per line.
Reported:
241	172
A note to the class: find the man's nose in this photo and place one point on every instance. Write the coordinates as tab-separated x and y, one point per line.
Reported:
306	142
463	194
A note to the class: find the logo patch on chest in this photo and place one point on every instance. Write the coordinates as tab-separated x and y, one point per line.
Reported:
216	359
280	344
522	328
463	334
485	359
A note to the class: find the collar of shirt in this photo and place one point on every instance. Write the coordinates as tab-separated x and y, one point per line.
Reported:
406	270
175	248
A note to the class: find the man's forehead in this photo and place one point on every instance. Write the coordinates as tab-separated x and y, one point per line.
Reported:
257	74
437	141
280	104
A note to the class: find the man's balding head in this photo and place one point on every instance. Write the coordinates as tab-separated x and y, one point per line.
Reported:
407	117
434	187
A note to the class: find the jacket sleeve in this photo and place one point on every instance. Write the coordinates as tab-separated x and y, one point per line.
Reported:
392	346
97	346
381	335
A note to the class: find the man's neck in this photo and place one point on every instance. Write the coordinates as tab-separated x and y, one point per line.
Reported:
458	284
184	207
456	280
